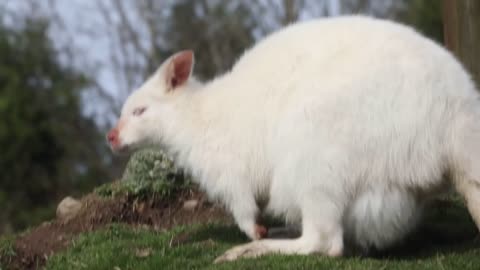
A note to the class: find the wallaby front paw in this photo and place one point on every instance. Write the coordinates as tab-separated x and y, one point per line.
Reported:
250	250
260	231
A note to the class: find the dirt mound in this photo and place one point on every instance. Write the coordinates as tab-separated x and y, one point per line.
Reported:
33	248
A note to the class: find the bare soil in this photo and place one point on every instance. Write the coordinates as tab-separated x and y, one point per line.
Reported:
33	248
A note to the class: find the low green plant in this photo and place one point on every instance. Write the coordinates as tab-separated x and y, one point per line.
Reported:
148	173
7	250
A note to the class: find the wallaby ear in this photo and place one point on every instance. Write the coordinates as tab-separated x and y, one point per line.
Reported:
179	69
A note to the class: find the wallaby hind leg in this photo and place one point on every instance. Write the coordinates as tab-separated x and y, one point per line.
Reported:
471	193
466	176
465	160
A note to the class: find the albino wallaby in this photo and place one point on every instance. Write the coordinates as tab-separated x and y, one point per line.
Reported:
345	126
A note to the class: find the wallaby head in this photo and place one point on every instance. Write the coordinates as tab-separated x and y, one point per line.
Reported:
141	115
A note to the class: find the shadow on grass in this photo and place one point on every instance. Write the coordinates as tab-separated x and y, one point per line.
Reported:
447	229
222	234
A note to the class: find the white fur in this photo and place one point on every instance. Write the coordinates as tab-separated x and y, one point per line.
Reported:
347	126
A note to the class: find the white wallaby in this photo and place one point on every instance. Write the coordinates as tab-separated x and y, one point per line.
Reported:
345	126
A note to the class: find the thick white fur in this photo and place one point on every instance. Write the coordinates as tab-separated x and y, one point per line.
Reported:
347	126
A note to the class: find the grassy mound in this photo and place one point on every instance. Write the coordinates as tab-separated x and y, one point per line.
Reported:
446	241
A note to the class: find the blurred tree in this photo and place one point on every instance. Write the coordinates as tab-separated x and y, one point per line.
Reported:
152	30
47	148
219	32
462	30
376	8
425	16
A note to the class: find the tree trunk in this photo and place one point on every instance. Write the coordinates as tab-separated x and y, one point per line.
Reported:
462	32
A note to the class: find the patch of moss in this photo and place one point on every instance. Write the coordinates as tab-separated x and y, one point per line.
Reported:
148	173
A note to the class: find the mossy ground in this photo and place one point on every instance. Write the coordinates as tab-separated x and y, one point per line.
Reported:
447	240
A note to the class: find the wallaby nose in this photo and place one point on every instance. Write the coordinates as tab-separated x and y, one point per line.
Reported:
112	136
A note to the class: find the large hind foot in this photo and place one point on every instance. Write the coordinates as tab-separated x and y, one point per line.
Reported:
322	233
299	246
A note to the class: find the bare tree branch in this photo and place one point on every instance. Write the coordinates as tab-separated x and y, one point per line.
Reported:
134	38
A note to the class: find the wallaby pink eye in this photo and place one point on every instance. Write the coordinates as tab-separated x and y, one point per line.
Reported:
139	111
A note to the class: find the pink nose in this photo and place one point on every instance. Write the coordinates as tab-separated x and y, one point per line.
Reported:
112	137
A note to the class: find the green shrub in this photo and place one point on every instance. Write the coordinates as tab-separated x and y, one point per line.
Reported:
149	165
148	173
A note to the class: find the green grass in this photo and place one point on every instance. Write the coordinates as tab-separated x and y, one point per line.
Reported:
447	241
6	250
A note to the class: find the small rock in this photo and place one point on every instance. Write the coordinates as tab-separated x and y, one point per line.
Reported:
68	208
143	253
190	205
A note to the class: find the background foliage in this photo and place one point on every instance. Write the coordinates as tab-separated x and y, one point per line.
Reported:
47	147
